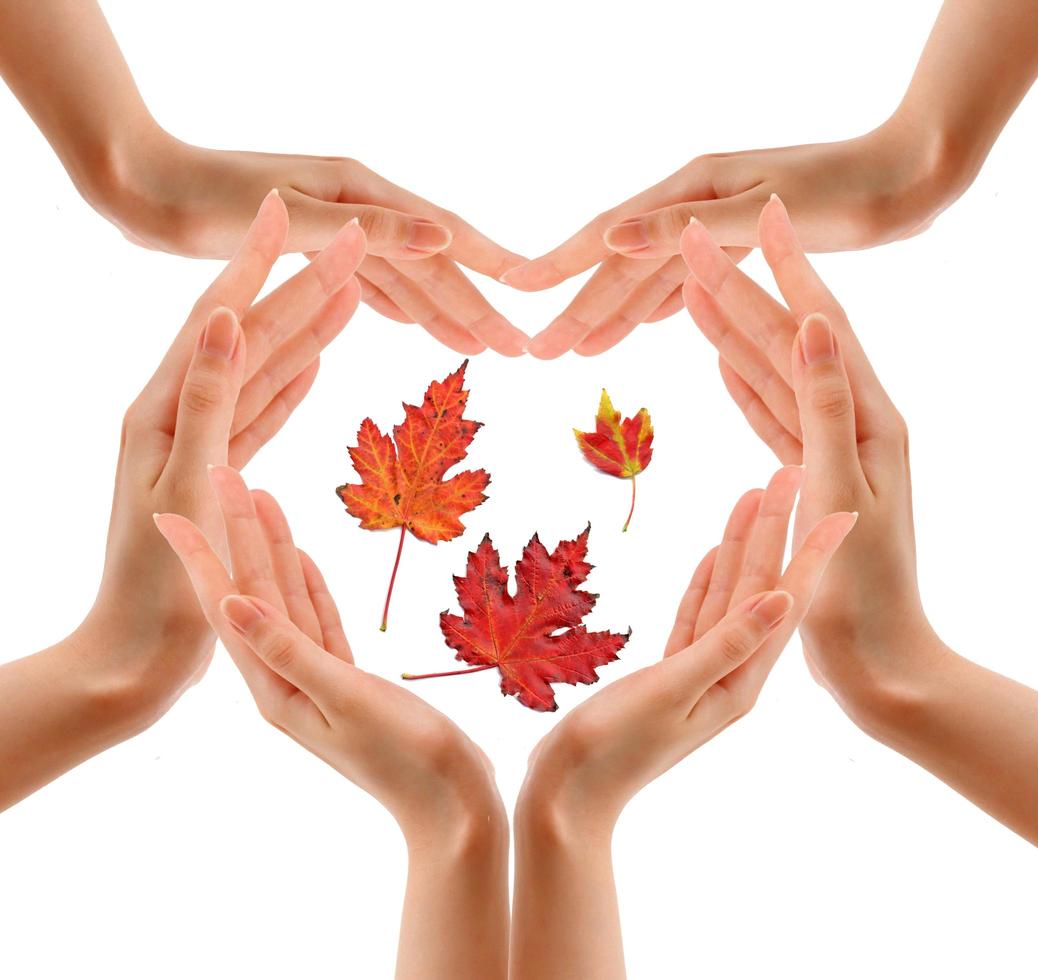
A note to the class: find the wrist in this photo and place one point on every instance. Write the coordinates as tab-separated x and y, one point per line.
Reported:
547	821
933	163
473	827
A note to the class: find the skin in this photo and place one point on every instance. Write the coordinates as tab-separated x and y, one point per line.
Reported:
63	64
733	622
801	378
274	614
230	380
979	62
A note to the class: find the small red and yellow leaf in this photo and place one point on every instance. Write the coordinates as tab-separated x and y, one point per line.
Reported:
620	448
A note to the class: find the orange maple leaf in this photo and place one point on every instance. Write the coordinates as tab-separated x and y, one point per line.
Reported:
621	449
402	479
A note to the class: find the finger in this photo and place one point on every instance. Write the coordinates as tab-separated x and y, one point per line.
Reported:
770	430
268	423
380	302
209	393
286	650
288	572
803	289
234	288
612	283
251	565
211	583
389	233
575	255
657	234
731	642
684	628
298	352
826	404
743	355
671	305
765	322
728	563
332	633
676	301
420	307
639	305
450	289
800	579
477	252
279	315
762	563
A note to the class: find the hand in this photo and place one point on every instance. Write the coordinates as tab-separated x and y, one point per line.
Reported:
737	615
232	377
802	380
279	623
854	194
194	201
274	614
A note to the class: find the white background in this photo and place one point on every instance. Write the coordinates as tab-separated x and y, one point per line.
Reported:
213	846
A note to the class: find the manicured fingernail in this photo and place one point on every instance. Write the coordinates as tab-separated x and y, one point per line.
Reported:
816	340
425	236
220	337
243	614
628	236
772	608
508	272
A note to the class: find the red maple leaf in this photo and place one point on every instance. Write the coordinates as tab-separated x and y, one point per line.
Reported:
537	637
402	479
618	448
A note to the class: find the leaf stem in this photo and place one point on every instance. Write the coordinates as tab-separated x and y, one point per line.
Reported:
392	578
447	673
630	513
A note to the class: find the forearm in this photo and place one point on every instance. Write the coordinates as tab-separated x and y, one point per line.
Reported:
455	917
978	64
565	917
973	729
63	64
56	711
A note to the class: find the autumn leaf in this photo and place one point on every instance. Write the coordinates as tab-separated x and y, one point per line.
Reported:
537	637
618	448
402	479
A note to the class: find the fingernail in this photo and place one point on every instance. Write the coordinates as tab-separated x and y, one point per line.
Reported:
425	236
772	608
220	337
816	340
243	614
628	236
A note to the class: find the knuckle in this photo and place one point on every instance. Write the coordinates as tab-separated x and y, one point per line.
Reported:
735	644
280	651
202	393
830	398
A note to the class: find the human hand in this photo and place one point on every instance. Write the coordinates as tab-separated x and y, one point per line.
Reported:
198	202
847	195
733	622
801	378
274	614
230	380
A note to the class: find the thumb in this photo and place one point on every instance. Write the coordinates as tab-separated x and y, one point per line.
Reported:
209	394
390	234
657	234
824	399
733	640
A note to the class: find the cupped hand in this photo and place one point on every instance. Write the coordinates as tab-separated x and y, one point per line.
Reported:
847	195
804	384
230	380
194	201
274	614
736	617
